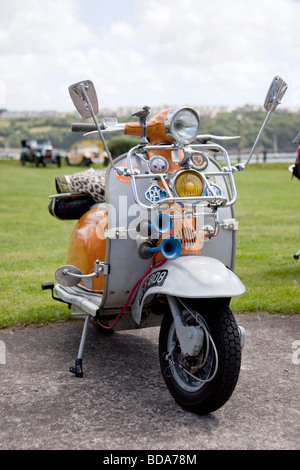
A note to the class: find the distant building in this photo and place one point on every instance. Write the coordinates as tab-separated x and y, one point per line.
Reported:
31	114
203	111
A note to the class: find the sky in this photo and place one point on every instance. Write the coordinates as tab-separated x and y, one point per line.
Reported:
148	52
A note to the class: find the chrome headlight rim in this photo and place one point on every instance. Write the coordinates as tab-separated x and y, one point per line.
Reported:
171	120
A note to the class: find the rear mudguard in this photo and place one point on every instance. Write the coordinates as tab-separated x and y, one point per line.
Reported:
191	277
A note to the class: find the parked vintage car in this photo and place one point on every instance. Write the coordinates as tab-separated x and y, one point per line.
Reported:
85	152
39	151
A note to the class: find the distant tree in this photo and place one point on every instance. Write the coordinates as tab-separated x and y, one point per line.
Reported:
281	128
121	144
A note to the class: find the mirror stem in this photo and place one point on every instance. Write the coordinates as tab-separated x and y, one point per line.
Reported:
275	103
258	136
97	126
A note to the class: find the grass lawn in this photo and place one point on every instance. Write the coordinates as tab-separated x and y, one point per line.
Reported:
33	244
269	226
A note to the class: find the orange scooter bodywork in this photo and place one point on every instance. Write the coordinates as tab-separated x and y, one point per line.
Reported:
155	129
87	244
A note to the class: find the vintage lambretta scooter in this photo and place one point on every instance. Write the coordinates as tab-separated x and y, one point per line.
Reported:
160	249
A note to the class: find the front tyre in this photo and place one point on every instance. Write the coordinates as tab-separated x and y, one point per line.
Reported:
202	383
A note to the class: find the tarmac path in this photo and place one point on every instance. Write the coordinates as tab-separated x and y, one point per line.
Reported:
122	402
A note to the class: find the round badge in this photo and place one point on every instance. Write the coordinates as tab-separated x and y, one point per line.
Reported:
216	189
158	164
199	161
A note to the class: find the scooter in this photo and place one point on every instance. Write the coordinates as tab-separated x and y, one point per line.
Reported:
160	250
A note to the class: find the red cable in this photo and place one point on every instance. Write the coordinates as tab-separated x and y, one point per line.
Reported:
131	293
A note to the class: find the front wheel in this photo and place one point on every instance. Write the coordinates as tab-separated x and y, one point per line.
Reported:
202	383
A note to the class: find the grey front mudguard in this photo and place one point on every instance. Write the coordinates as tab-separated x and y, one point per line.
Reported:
191	277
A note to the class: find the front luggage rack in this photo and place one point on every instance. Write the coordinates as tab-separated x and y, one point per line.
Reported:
212	201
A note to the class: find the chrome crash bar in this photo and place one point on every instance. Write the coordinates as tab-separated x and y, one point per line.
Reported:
212	201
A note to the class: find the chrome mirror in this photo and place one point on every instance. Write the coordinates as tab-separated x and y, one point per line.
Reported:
84	96
274	96
68	276
275	93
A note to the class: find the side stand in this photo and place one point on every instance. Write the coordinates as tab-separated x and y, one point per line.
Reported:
77	370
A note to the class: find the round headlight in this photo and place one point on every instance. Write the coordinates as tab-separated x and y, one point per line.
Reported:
182	124
188	184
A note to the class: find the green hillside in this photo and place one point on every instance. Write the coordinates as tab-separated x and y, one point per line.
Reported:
280	131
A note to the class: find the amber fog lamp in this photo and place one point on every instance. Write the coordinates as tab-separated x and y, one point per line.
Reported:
189	184
182	124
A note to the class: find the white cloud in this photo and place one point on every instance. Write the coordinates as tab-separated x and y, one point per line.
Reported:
233	45
121	31
38	36
148	51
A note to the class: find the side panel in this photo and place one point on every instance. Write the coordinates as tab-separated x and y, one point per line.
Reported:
87	244
223	246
